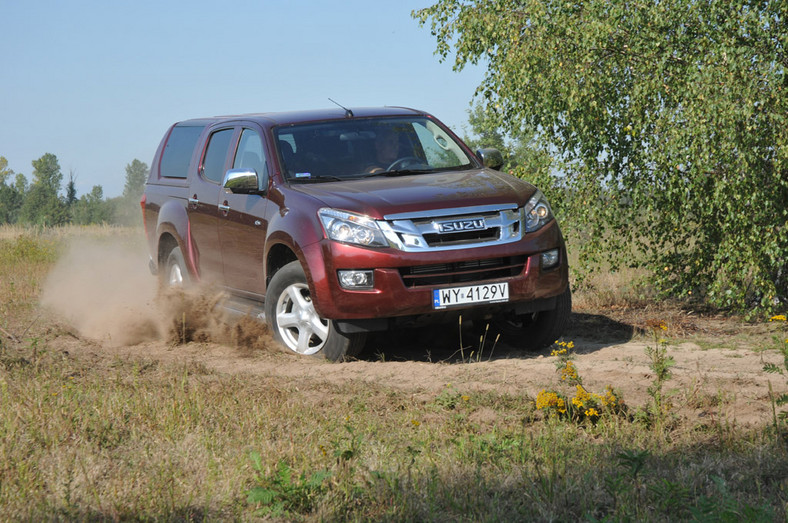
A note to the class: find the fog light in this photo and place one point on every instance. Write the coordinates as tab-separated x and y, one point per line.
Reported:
549	259
356	280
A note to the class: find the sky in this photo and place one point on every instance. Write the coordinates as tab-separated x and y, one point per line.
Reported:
97	83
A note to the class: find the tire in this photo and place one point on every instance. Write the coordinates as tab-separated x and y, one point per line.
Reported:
537	330
295	324
175	274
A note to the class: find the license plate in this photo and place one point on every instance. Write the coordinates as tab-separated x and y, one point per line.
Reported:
470	294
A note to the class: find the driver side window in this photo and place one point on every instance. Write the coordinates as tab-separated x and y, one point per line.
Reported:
250	154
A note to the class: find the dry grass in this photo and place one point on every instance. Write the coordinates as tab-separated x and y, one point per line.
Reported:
86	438
65	232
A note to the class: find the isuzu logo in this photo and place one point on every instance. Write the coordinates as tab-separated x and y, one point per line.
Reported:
476	224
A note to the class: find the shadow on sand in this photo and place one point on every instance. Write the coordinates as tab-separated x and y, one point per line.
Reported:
450	344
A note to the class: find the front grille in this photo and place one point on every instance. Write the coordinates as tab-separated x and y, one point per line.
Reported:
455	228
459	238
462	272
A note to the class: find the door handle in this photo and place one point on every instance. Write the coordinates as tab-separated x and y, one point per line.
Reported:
224	208
193	201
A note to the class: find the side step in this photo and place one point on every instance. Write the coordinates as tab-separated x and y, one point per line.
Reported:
235	307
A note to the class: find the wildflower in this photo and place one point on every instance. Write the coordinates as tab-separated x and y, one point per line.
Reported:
570	345
569	372
546	399
581	397
415	422
322	449
779	317
592	412
609	399
558	352
465	397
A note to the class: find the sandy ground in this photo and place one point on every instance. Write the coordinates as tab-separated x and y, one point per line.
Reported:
110	310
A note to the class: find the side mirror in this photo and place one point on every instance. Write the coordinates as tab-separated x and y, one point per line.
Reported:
242	181
491	158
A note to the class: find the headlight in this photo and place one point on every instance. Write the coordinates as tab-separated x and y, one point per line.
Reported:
537	212
346	227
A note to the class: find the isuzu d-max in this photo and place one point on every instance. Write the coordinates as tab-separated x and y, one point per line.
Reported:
331	224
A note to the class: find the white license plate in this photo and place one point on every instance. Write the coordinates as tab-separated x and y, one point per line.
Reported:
470	294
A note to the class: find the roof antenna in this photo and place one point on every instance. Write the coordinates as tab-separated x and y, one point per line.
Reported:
348	112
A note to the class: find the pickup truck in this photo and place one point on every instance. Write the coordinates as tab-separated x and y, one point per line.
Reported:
335	223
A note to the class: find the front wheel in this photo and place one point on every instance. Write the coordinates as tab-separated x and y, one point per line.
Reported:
537	330
296	324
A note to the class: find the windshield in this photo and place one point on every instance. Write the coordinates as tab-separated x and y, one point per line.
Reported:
357	148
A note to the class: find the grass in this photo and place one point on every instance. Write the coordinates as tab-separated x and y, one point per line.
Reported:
94	438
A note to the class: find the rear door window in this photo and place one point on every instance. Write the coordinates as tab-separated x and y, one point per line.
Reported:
177	153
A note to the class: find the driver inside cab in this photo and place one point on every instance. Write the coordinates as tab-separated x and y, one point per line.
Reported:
386	150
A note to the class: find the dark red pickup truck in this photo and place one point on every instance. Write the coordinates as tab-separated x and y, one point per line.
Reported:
332	224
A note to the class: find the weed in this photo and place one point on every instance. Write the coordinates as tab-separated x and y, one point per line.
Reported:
781	344
660	363
283	493
475	356
583	405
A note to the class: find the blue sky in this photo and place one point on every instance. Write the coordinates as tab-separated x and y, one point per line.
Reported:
97	83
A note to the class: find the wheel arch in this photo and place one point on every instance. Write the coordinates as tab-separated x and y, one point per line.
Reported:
278	256
167	243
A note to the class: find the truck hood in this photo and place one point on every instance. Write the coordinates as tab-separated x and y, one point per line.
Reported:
379	196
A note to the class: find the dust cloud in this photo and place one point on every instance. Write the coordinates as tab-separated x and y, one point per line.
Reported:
104	290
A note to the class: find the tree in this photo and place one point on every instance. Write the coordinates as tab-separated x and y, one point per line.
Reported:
46	173
670	118
5	172
92	208
127	207
523	154
42	204
136	176
71	189
10	197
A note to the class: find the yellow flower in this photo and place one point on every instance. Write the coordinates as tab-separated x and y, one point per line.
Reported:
581	397
465	397
779	317
415	422
609	399
546	400
569	372
570	345
591	412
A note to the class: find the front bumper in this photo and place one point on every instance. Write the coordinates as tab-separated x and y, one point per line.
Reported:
531	288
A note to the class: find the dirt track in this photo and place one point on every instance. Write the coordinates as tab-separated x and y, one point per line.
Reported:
110	310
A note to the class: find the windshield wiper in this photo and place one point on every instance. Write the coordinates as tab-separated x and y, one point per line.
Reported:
317	178
399	172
